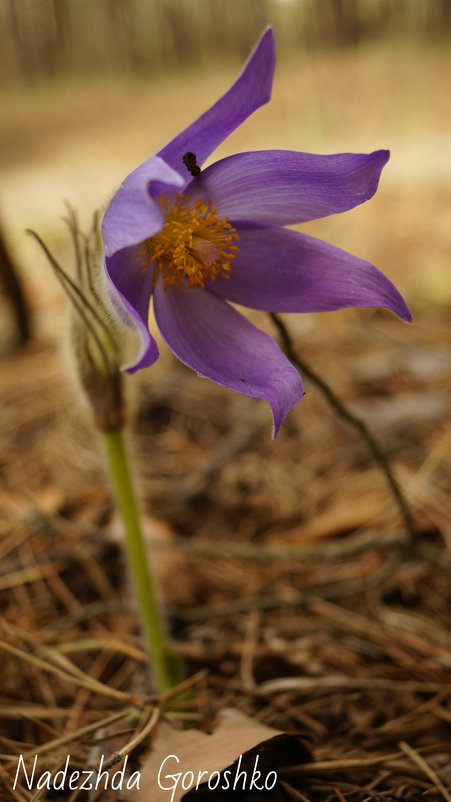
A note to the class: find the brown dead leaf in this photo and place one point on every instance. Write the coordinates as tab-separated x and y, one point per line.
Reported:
239	750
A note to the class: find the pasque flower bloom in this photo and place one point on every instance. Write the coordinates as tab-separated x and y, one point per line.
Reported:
194	240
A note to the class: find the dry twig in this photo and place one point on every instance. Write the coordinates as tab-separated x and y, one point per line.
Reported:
357	423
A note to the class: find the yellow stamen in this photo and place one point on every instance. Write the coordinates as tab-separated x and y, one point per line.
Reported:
194	244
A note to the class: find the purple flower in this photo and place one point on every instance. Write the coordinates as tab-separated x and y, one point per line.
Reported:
194	240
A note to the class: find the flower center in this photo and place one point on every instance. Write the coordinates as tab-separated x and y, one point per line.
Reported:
194	244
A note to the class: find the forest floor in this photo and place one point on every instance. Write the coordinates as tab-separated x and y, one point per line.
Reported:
294	591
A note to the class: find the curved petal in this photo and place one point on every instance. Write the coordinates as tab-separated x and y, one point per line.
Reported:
250	91
133	215
281	187
211	337
129	291
285	271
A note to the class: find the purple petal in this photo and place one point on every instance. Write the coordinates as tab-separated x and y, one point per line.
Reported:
211	337
280	187
133	215
285	271
250	91
130	292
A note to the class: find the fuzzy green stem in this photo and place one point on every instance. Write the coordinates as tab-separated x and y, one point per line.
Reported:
166	667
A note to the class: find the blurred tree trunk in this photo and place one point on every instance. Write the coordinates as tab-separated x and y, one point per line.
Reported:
49	38
20	46
340	20
445	16
14	293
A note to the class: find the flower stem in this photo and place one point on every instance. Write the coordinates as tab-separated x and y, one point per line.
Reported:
165	663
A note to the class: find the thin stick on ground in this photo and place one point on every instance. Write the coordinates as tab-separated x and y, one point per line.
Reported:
426	768
345	413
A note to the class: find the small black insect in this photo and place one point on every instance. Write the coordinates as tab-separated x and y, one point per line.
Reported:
189	160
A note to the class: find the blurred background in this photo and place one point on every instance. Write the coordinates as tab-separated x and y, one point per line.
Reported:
88	90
